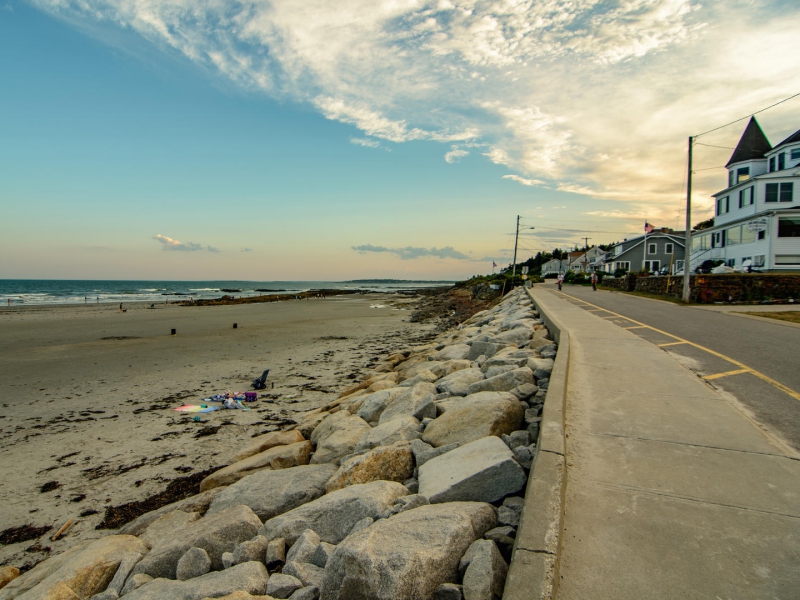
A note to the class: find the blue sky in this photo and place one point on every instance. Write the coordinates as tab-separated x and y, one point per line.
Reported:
314	140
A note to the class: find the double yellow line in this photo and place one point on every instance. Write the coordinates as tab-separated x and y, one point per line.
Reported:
743	368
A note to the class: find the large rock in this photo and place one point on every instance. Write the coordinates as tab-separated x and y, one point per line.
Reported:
485	576
255	549
520	335
80	572
334	515
194	563
407	403
271	493
164	527
281	585
7	575
328	425
216	533
262	443
279	457
504	382
450	367
407	556
374	404
456	384
540	363
307	573
249	577
305	546
341	440
426	376
198	503
474	417
486	349
455	352
483	470
387	463
397	430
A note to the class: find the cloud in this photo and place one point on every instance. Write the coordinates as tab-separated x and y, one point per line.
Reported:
167	243
455	155
523	180
8	7
592	98
246	250
365	142
410	252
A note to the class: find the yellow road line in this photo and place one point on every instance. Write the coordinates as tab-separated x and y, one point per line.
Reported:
670	344
638	327
776	384
726	374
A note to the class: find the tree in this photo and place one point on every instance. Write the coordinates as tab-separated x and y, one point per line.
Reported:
704	224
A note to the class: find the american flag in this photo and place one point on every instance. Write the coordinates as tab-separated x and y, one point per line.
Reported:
494	265
648	228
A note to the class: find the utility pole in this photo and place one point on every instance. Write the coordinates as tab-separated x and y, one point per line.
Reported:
687	251
516	240
586	254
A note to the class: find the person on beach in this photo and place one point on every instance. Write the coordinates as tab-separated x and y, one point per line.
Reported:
120	308
594	282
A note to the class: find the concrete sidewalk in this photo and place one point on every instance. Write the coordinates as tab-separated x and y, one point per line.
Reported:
671	492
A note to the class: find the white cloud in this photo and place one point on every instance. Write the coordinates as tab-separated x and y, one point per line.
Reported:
455	155
367	143
595	98
523	180
167	243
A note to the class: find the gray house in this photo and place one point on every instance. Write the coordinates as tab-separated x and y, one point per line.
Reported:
662	249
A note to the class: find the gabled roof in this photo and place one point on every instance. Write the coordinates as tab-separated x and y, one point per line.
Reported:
752	145
795	137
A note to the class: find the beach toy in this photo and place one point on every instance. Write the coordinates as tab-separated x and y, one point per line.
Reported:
192	408
196	419
250	396
204	406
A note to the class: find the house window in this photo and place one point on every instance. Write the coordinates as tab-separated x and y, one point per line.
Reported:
796	154
787	259
622	264
718	239
781	161
743	174
669	248
771	164
752	196
762	235
734	235
782	192
679	266
789	227
730	177
746	197
759	260
731	262
748	237
652	265
786	192
723	205
652	249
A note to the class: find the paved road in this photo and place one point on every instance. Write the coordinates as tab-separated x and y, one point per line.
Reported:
755	361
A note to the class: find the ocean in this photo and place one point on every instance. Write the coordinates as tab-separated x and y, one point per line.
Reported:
49	291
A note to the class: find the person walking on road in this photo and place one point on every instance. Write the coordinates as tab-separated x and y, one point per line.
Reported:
560	280
594	282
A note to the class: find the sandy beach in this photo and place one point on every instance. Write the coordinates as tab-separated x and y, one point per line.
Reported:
88	395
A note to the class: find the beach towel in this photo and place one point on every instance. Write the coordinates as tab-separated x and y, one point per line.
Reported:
196	408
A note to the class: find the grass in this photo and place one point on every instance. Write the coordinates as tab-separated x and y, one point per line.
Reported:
646	295
792	316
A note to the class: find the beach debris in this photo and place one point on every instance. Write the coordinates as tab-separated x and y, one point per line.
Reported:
61	532
260	383
23	533
49	486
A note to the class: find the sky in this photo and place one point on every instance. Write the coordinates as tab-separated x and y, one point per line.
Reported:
318	140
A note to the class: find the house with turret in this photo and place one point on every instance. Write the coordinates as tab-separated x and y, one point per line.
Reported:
757	215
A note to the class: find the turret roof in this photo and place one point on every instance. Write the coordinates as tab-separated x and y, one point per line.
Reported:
752	145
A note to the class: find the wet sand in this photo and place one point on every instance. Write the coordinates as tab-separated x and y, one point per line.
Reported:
87	395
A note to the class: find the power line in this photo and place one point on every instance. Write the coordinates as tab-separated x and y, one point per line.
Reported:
713	146
750	115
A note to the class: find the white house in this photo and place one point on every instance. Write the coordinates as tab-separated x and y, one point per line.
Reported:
554	267
757	216
586	261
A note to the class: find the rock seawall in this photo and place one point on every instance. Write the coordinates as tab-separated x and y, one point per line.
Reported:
407	486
